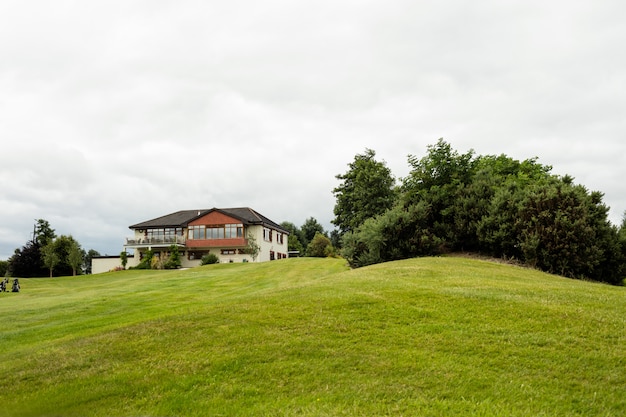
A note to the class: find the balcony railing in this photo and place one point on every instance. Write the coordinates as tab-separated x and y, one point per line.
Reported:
155	241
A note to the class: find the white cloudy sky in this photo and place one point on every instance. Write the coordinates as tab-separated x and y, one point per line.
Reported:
115	112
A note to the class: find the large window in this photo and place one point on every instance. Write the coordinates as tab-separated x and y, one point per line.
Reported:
196	232
232	231
222	231
168	234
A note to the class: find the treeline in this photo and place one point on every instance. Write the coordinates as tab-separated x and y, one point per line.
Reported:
49	255
311	239
492	205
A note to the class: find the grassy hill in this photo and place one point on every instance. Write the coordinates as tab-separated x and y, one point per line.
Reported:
298	337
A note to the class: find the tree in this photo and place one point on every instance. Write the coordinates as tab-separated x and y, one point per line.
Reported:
26	262
146	261
438	179
50	256
319	246
309	229
366	190
173	261
64	245
252	247
296	239
44	234
75	256
124	258
4	268
399	233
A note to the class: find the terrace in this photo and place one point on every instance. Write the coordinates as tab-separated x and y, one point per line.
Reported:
157	241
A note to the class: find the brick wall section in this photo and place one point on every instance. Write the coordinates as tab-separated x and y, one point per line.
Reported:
214	217
214	243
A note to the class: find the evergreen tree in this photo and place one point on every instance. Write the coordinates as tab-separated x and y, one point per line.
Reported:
366	190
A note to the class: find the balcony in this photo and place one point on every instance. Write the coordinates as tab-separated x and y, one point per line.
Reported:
154	242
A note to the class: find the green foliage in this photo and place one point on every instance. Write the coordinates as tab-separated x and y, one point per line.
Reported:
29	261
64	246
309	229
399	233
173	260
44	233
494	205
320	246
26	262
209	259
50	256
4	268
296	239
252	248
366	190
124	258
146	261
75	256
305	337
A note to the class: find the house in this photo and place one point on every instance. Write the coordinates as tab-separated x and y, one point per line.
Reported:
225	232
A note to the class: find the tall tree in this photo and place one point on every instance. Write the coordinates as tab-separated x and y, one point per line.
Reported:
4	268
438	179
296	239
50	256
26	261
64	245
75	256
310	227
44	233
366	190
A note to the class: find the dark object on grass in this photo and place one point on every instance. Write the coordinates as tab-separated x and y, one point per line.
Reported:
16	285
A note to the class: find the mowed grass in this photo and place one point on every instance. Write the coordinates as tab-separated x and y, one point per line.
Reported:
309	337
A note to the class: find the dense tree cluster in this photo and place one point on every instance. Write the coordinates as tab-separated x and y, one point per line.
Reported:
47	254
310	239
488	204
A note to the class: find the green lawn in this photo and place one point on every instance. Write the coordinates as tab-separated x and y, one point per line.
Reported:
309	337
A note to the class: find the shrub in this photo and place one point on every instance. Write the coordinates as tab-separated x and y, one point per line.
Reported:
320	246
209	259
173	261
146	261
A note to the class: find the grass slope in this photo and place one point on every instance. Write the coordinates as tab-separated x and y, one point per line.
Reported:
297	337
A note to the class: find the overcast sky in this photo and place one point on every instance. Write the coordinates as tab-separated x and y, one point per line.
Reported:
116	112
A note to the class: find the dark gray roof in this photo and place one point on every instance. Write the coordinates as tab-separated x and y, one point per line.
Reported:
177	219
182	218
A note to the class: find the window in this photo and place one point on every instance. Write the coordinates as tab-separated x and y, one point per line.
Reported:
232	231
215	232
196	232
221	231
196	254
267	234
229	251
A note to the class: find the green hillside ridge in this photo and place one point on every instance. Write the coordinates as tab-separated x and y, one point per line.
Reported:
428	336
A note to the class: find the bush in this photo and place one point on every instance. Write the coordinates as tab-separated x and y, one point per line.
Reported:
320	246
173	261
209	259
146	261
